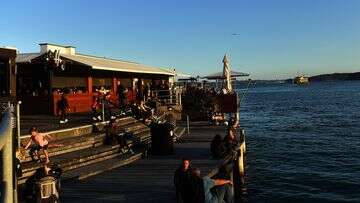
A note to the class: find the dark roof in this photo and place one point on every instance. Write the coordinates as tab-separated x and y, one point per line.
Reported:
220	75
56	45
101	63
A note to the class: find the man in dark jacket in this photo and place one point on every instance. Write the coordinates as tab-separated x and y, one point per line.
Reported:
182	182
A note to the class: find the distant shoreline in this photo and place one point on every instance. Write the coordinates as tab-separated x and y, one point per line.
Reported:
335	77
317	78
332	77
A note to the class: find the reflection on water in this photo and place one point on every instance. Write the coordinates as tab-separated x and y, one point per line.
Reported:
303	142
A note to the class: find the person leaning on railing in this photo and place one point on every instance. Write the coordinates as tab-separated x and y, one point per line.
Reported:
230	140
211	190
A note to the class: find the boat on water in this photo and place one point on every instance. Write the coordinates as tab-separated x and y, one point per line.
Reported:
301	80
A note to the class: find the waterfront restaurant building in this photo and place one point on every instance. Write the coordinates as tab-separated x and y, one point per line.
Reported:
42	77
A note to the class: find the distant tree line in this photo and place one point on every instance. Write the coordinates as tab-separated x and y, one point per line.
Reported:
335	77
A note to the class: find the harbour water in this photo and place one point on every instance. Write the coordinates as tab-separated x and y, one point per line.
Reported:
303	142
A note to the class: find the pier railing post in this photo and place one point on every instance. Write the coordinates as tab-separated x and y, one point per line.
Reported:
239	168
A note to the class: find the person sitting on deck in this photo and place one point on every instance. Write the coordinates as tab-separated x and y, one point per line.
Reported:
63	106
111	131
217	147
145	111
114	136
182	181
211	190
135	110
40	142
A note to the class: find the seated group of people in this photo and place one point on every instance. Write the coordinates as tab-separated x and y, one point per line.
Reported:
221	147
138	109
192	188
142	111
115	136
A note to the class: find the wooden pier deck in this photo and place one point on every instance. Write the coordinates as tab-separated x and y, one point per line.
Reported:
147	180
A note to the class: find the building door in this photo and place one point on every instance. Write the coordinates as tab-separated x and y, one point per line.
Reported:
4	79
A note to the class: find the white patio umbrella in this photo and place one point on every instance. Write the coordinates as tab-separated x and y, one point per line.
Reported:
227	74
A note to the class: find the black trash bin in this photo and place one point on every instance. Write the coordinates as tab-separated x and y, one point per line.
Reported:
46	190
161	139
45	187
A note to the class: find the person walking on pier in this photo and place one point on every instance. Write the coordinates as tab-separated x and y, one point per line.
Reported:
121	92
63	106
40	142
95	108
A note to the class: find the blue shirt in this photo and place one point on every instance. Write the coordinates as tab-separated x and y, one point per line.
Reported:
208	184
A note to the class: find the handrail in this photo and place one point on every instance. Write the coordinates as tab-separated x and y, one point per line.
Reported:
173	96
236	158
236	154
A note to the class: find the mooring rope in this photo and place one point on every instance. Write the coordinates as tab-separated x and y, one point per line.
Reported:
246	90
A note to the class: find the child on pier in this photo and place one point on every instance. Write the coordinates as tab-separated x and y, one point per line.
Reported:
40	142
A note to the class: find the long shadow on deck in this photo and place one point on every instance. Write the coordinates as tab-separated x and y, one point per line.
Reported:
148	180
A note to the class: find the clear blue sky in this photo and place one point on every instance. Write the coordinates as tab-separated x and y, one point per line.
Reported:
275	39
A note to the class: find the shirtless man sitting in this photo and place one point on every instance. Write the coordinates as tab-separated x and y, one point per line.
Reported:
40	141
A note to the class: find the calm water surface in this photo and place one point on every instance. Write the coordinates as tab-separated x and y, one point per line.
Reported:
303	142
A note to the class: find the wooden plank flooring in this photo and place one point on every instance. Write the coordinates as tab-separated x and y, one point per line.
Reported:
147	180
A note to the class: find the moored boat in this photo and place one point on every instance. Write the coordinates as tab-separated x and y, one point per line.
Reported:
301	80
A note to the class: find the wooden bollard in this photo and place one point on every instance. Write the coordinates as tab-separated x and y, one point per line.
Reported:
243	139
239	169
238	174
241	160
